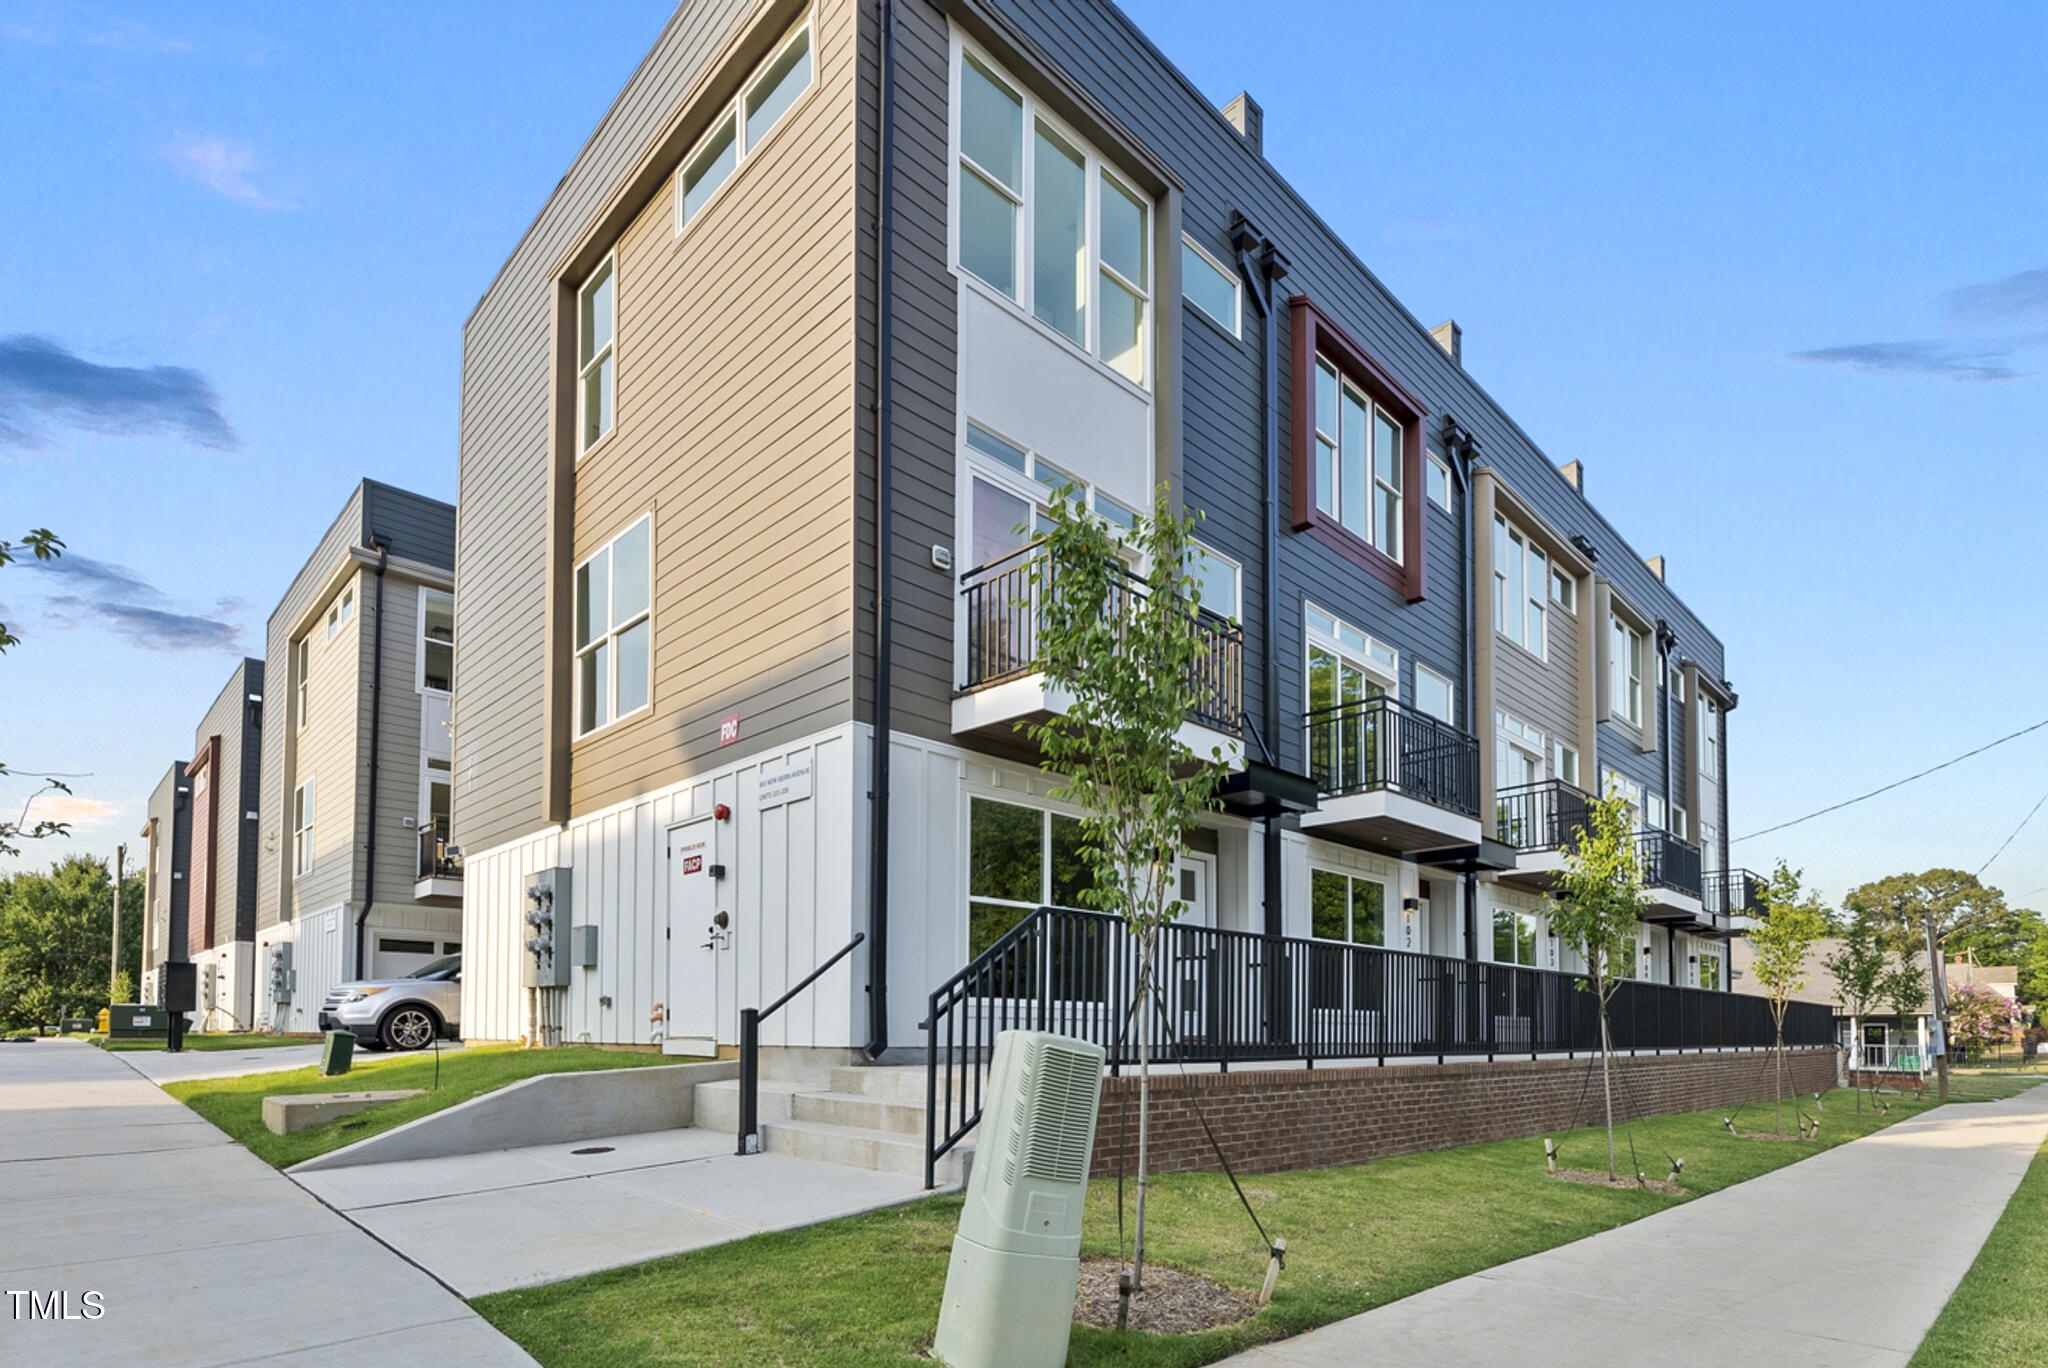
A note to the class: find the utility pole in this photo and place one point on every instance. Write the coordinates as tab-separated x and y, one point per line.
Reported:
114	959
1939	975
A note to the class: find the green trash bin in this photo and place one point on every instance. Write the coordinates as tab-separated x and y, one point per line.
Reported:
337	1052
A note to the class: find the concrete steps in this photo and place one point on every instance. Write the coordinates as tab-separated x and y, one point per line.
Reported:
864	1118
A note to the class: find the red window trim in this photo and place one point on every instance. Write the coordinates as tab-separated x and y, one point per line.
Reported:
1316	333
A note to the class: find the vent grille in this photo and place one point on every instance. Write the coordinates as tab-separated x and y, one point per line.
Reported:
1061	1093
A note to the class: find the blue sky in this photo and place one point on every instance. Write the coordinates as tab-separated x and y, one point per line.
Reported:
1775	274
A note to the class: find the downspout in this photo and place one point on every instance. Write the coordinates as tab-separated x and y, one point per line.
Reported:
1461	470
885	531
383	545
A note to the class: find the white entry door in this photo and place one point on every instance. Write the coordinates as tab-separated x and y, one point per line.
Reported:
698	933
1189	966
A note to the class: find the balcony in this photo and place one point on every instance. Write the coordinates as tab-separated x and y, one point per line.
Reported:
1540	822
1399	780
440	866
1671	879
1732	900
1003	685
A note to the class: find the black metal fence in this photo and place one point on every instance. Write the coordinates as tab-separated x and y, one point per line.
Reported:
1229	997
1377	743
1669	862
1735	892
435	860
1003	602
1551	815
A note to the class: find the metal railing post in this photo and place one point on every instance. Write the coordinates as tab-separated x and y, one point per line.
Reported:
750	1080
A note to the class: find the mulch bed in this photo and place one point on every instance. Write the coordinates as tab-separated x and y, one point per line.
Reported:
1172	1302
1599	1178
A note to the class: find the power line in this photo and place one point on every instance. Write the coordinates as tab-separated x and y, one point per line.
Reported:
1850	802
2015	833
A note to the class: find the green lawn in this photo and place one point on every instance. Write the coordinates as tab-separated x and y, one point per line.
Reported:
865	1291
2000	1312
212	1040
236	1104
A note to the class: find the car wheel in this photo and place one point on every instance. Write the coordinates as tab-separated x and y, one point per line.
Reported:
411	1027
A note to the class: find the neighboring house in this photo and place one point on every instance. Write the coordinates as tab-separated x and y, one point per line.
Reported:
353	876
678	644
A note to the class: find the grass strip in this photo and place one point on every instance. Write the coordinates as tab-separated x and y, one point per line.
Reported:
1999	1312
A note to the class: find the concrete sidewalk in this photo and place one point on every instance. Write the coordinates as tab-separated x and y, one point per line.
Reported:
1843	1259
202	1254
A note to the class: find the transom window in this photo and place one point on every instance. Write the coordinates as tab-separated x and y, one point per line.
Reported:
744	124
1011	493
437	641
1053	202
1211	287
1625	671
1358	461
1521	579
302	830
614	630
596	356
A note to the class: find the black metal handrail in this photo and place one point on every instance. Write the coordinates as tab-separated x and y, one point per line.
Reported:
1379	743
1233	996
1004	600
750	1048
436	862
1669	861
1551	815
1732	892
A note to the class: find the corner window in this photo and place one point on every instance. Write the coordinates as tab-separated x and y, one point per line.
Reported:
341	611
742	125
1439	476
1211	287
1218	581
1433	694
614	631
437	641
302	669
1625	672
302	830
1564	591
1050	201
596	357
1521	580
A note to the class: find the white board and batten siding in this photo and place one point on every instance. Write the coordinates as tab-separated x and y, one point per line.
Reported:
794	853
317	942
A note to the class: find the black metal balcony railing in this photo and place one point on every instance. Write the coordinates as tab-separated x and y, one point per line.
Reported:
1732	892
1546	816
1003	601
1377	743
1669	862
1226	997
435	860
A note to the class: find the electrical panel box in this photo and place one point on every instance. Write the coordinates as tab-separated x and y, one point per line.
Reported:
178	982
583	946
547	927
283	978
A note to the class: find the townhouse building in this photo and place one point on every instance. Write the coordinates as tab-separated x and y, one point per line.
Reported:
757	419
353	875
166	835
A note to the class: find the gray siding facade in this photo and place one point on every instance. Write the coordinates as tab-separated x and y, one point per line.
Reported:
236	721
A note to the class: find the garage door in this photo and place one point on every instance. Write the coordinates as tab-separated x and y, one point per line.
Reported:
398	956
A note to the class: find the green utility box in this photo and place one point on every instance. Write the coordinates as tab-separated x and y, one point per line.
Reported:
137	1021
337	1052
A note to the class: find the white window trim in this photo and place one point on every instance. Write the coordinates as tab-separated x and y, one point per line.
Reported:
1710	738
1095	167
1235	327
302	659
1026	485
419	663
1558	751
610	636
734	115
303	806
1534	599
1374	485
342	611
1450	692
1388	672
1569	599
1390	904
1440	464
611	349
1236	613
1626	702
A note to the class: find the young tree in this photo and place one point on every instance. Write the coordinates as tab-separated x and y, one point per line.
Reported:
1126	649
54	929
1859	969
1598	902
45	545
1904	985
1983	1017
1780	941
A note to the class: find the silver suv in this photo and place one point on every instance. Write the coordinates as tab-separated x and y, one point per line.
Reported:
400	1013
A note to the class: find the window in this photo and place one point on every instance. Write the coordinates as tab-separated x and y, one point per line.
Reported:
1217	580
742	125
437	641
1710	972
613	630
1518	752
1433	694
1521	574
1678	822
1439	476
1621	958
1614	784
341	611
1211	287
1018	860
1566	764
1564	591
1351	910
1346	670
1657	822
302	666
1710	738
1514	937
440	796
302	830
1358	462
1625	672
1051	201
1006	514
1710	849
596	357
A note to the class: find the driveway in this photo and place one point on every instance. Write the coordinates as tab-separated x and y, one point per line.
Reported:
1844	1259
201	1254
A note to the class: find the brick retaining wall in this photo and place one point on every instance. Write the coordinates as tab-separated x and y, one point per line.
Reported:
1279	1119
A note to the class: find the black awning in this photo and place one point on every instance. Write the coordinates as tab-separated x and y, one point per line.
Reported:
1261	790
1488	857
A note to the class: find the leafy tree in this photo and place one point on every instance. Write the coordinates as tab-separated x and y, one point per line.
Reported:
54	931
1904	985
1125	648
44	545
1982	1017
1598	902
1780	941
2033	968
1859	969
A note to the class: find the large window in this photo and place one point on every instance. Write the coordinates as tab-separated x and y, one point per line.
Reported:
302	667
596	356
1517	752
1349	909
302	830
1358	462
742	126
1625	672
1521	582
1211	286
1049	200
1011	492
437	641
1018	860
1514	937
1344	664
614	632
